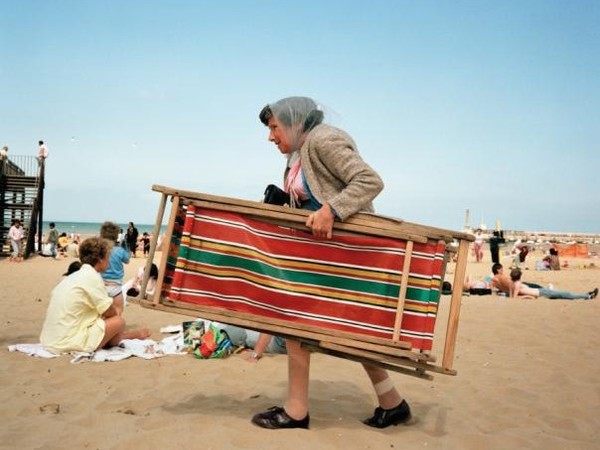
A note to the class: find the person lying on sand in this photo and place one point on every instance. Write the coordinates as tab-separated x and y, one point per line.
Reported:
477	287
470	286
501	282
519	289
259	343
81	316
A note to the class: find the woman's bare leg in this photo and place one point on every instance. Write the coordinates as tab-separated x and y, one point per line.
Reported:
387	395
115	332
392	409
296	405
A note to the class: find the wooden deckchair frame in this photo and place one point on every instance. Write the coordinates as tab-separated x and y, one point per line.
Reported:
388	353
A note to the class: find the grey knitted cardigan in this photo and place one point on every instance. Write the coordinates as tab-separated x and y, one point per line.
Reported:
335	172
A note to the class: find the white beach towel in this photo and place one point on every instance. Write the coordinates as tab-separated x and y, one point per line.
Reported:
32	350
142	348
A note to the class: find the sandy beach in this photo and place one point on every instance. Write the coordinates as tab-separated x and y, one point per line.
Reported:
527	378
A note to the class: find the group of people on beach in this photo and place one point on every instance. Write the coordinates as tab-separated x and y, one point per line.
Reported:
59	245
512	286
130	240
324	174
518	252
54	244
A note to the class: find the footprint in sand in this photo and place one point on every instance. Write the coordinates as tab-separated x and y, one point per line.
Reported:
50	408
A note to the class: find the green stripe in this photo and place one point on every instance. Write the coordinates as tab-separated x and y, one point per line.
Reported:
318	279
419	295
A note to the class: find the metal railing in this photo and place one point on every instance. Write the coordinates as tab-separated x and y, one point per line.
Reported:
28	166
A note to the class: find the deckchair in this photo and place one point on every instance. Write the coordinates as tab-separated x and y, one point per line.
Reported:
369	294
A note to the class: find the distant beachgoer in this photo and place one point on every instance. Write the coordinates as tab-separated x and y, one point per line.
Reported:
478	246
523	252
519	289
549	262
42	150
494	247
554	260
81	316
520	251
72	250
121	238
495	241
543	265
63	242
16	234
52	239
146	243
132	238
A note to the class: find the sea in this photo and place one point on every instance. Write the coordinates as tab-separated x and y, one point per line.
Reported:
93	228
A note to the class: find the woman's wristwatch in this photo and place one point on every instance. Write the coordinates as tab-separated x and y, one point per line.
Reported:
256	356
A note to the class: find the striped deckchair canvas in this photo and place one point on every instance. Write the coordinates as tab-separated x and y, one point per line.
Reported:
351	283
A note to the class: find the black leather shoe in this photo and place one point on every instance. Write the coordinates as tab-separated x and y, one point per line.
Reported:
276	417
385	417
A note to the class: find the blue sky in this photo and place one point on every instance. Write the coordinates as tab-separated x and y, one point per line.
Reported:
486	105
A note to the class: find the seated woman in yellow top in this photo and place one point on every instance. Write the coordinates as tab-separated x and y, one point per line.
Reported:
81	316
63	242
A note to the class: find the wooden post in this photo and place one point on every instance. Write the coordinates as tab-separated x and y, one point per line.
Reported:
153	243
41	187
165	253
457	288
403	289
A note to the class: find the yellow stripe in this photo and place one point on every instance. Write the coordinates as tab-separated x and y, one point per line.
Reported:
253	254
426	308
285	286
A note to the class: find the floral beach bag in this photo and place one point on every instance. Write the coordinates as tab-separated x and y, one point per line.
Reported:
206	340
